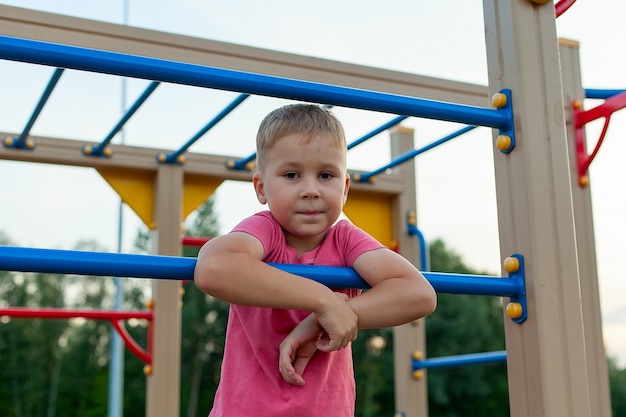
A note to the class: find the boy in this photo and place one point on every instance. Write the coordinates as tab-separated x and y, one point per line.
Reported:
287	341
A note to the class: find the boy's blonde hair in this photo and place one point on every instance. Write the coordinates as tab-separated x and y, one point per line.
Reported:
305	119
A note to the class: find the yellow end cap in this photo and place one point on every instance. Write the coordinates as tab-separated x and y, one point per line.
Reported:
514	310
250	166
511	264
357	177
30	144
108	151
417	354
499	100
583	181
181	291
578	104
161	157
503	142
8	141
88	150
150	304
372	180
230	164
418	374
180	159
147	370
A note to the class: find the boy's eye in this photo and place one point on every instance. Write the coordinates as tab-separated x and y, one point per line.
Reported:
326	175
291	175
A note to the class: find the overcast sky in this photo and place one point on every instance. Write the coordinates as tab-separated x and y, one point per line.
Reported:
54	206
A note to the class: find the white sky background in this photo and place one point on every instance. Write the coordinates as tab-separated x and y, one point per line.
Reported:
55	206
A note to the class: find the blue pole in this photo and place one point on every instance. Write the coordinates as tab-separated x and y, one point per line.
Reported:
364	177
414	231
601	94
225	112
98	151
376	131
39	107
45	53
242	163
58	261
460	360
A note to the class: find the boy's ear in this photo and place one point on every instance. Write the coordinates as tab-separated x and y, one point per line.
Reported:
347	188
259	188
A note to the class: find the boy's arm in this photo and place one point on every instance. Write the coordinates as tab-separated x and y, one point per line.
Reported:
399	294
229	267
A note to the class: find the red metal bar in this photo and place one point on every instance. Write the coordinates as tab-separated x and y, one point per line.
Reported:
194	241
581	118
114	317
57	313
130	342
562	6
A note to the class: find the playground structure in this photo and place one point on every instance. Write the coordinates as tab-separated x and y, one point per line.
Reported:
555	357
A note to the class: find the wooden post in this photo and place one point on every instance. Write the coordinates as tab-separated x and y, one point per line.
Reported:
547	370
585	241
163	397
411	394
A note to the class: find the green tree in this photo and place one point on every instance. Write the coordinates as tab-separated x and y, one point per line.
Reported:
461	324
617	379
203	324
203	327
465	324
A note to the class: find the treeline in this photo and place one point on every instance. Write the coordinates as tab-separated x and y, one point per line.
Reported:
60	367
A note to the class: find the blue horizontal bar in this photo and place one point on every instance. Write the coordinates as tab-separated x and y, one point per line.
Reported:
56	76
218	118
56	261
99	151
412	154
376	131
601	94
45	53
242	163
460	360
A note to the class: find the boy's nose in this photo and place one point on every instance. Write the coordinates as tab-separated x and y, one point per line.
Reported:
310	188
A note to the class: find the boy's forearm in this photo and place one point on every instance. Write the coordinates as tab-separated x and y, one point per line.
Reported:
240	279
393	302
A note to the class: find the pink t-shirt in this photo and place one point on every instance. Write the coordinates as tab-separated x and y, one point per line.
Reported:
250	383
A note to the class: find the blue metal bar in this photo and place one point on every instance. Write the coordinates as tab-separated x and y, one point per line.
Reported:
56	261
365	177
376	131
243	163
21	140
459	360
601	94
99	150
414	231
45	53
173	157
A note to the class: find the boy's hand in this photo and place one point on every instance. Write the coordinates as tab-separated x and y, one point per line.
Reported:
339	322
297	349
311	335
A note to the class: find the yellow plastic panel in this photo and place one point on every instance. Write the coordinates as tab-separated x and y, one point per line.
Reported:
197	189
372	213
135	187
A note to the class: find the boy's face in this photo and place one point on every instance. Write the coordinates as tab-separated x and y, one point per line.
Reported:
305	184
